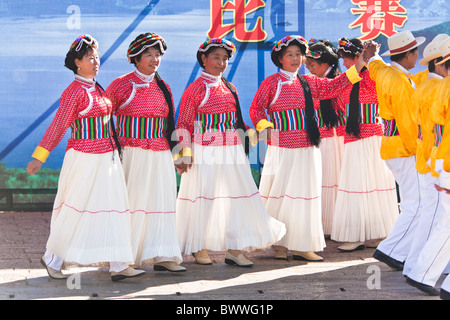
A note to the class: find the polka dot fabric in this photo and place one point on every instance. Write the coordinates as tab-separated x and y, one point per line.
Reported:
135	95
81	99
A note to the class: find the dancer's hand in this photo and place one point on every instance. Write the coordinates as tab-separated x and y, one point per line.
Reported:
34	166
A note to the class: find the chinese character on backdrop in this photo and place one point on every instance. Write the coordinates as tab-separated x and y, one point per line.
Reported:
239	10
378	17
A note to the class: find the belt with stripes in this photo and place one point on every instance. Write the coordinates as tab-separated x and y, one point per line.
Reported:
218	122
140	127
91	128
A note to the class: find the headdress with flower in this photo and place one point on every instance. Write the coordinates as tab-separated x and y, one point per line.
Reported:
346	46
322	49
285	42
215	42
83	39
144	41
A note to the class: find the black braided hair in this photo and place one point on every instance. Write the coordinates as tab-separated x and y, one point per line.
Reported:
239	120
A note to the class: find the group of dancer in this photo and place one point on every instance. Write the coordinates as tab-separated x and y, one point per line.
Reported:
324	173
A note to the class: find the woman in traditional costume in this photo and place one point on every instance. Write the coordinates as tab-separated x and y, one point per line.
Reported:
291	181
143	105
219	206
322	60
366	205
91	219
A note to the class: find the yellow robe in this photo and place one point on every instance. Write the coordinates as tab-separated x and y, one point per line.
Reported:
422	99
440	114
394	90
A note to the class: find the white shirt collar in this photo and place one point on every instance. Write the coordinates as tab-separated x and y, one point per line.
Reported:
402	69
287	74
435	75
210	77
144	77
85	80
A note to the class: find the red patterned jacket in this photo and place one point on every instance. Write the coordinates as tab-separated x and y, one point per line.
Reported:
135	96
81	101
283	91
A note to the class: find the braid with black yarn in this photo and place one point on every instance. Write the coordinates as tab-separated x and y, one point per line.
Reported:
239	121
170	119
111	121
352	127
311	120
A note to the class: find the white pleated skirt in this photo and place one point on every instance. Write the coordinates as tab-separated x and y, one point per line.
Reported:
90	222
291	184
366	204
152	194
219	206
332	149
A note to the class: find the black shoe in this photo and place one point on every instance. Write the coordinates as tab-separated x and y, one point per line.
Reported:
432	291
445	295
395	264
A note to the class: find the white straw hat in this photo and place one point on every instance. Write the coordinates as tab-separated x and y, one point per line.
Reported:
402	42
445	50
431	51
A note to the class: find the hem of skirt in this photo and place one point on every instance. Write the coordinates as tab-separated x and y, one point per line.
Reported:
365	192
290	197
88	211
151	212
214	198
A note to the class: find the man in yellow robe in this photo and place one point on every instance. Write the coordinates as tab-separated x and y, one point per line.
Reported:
435	255
422	99
395	87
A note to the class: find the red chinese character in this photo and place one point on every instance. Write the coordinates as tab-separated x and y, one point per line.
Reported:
239	9
378	16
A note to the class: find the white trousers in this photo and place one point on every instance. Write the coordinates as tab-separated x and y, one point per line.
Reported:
56	263
435	255
399	240
429	201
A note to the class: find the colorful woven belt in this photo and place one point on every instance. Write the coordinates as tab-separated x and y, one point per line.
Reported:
368	113
293	119
140	127
91	128
341	118
390	128
438	132
218	122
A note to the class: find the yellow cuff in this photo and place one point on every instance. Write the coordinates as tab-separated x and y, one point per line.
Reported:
352	75
175	157
263	124
186	152
252	136
40	154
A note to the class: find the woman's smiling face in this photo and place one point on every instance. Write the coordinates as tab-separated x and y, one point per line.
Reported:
292	58
149	61
216	61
